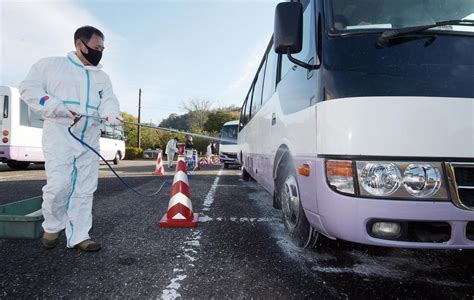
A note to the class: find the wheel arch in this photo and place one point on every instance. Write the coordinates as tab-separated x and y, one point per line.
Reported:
283	153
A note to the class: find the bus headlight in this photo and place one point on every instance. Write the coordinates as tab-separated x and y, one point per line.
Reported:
421	180
388	179
379	178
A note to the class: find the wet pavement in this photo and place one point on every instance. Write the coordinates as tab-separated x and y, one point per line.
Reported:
239	250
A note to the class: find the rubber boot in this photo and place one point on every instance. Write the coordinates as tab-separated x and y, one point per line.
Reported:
88	246
50	240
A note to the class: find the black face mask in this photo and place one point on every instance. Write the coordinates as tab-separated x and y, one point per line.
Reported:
93	56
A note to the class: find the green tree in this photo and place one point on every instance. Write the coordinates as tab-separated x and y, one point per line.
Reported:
150	138
175	121
130	131
216	119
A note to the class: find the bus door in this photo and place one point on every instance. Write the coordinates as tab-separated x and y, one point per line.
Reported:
293	121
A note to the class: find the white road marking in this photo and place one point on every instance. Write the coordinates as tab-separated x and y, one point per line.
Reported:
172	289
6	178
190	248
194	243
212	191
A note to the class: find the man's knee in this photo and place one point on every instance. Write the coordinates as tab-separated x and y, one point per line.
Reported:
57	187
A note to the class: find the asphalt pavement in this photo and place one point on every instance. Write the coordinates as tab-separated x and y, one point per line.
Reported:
239	250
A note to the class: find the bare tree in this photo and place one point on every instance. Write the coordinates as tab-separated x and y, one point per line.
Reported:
196	105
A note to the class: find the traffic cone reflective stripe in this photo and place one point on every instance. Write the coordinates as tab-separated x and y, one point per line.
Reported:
179	212
180	187
180	209
159	169
180	176
182	199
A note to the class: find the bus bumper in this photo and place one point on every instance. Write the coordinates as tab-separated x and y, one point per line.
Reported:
5	153
435	225
230	159
17	153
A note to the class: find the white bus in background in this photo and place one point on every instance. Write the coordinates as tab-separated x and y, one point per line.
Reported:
360	122
21	132
228	147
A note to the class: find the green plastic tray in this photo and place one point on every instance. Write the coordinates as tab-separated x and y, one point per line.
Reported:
21	219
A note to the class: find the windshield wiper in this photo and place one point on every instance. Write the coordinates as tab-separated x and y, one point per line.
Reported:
385	38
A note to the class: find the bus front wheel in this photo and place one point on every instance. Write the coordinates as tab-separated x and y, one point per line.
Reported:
117	158
293	215
18	165
245	174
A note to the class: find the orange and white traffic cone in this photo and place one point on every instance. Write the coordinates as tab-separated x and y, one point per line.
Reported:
180	209
159	169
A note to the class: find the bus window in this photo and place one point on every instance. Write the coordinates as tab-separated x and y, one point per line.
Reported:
229	134
270	75
257	92
247	107
24	120
286	64
35	120
28	117
118	134
242	115
5	107
111	132
357	16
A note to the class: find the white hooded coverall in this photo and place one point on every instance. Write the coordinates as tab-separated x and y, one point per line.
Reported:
170	151
71	169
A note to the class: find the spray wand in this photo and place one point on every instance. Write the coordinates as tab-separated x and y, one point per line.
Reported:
77	118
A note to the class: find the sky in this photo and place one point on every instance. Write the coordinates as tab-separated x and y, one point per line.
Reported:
173	50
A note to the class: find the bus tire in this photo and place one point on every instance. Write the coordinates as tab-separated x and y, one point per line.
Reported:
300	231
245	174
276	201
18	165
117	158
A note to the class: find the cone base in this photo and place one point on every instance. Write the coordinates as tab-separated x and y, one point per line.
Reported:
159	173
170	223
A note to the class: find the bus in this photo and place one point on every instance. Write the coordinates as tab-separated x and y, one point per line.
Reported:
228	149
360	122
22	131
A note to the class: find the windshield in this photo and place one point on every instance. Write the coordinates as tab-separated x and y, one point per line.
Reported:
229	132
355	16
115	133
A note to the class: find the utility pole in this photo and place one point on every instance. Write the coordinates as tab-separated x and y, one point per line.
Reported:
139	119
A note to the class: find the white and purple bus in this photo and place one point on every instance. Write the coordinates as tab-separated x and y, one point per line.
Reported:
360	122
22	130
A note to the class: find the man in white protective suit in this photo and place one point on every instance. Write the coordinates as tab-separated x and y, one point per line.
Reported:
58	88
170	151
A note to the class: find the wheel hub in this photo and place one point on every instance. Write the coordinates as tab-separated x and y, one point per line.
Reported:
291	201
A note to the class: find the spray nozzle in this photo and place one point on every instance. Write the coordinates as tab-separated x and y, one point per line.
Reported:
77	118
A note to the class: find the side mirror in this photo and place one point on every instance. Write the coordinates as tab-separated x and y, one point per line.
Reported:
288	31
